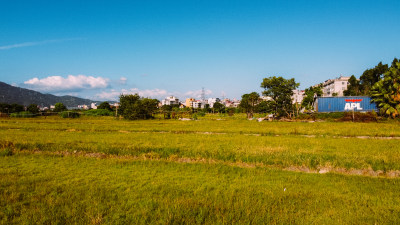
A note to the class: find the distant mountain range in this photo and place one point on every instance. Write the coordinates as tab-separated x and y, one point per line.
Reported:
10	94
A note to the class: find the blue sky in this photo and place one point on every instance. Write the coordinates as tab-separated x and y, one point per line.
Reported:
99	49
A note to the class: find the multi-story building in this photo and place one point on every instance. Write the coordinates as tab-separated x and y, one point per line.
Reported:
212	101
171	100
197	104
335	87
189	102
93	105
298	96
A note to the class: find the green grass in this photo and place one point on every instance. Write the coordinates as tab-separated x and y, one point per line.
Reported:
44	189
216	170
278	144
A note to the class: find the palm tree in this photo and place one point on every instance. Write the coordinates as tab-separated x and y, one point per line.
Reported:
386	92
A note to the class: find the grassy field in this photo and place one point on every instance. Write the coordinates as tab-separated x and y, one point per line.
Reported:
215	170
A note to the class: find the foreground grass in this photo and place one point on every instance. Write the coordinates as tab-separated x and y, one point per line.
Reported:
64	190
277	145
223	125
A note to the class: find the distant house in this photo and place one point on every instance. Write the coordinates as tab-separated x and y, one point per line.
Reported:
298	96
171	100
93	105
189	102
197	104
266	98
212	101
83	107
334	87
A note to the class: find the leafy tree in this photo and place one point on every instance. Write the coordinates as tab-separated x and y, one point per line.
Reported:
371	76
218	107
15	108
310	94
281	91
166	110
265	107
249	102
134	107
207	108
354	87
394	63
4	107
33	108
386	92
59	107
104	105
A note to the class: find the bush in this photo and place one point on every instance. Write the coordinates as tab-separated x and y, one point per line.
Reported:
6	152
70	114
360	117
201	113
22	115
98	112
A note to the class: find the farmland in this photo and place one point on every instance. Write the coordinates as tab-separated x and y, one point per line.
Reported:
213	170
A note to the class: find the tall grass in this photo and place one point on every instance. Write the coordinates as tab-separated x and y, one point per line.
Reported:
191	139
64	190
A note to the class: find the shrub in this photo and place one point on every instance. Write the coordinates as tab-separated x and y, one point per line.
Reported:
98	112
22	115
69	114
360	117
6	152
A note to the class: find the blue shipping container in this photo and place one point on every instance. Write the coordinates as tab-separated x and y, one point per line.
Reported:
345	104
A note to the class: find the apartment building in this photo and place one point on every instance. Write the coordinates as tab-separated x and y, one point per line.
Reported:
171	100
335	87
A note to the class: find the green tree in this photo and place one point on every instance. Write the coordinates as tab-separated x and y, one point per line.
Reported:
371	76
218	107
59	107
310	94
386	92
353	88
134	107
16	108
394	63
4	107
265	107
281	91
104	105
33	108
166	111
249	102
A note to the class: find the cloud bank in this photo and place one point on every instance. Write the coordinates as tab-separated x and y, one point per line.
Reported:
151	93
70	83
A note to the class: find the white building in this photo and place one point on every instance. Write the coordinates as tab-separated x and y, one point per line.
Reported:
265	98
197	104
171	100
83	107
93	105
212	101
298	96
335	86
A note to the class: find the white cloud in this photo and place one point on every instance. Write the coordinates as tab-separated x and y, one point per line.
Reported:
197	93
151	93
33	43
71	83
123	80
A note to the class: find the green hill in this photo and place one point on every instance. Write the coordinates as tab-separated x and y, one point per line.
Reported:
10	94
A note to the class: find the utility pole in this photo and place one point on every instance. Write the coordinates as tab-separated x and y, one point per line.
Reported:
203	94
